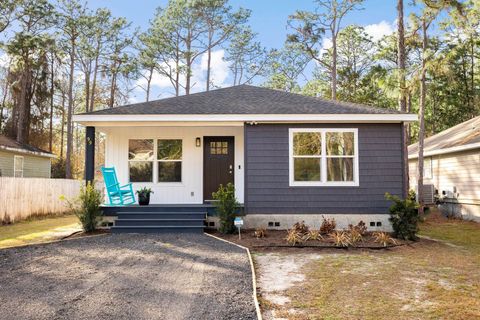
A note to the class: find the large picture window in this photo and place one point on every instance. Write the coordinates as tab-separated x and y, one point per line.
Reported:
147	156
323	157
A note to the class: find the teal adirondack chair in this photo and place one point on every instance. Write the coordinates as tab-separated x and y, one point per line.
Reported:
117	194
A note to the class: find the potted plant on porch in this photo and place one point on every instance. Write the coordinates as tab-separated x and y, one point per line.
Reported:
144	196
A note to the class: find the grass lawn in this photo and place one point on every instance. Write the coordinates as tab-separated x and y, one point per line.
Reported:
426	280
37	230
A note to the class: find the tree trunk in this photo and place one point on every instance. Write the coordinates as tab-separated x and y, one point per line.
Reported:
149	81
334	65
402	103
209	58
113	84
68	160
94	84
62	137
24	105
188	64
421	132
4	98
177	67
52	89
87	90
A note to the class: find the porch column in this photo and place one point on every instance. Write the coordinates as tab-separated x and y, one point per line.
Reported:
90	154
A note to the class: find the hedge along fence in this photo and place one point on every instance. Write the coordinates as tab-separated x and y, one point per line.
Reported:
21	198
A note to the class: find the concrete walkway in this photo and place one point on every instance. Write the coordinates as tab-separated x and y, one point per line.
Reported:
127	276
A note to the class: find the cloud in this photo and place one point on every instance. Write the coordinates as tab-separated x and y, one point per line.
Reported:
4	60
379	30
219	70
161	84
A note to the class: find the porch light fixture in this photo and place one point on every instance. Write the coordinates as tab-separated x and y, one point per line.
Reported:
198	142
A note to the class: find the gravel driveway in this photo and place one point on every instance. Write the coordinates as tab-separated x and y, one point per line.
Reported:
127	276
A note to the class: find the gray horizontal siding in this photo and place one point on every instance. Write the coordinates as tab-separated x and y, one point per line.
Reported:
33	166
267	176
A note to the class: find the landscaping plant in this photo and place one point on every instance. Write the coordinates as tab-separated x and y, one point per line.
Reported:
301	227
226	207
328	226
361	227
314	235
144	195
260	233
383	238
294	236
404	217
340	238
87	207
355	235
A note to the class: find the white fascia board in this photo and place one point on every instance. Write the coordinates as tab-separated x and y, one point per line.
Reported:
446	150
33	153
254	118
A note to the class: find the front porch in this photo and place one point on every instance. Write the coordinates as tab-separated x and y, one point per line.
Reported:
181	164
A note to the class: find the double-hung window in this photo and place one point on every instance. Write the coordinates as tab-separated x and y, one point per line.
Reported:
18	166
323	157
140	160
148	158
169	156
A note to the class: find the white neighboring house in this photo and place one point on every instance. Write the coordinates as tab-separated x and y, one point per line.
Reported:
452	165
23	161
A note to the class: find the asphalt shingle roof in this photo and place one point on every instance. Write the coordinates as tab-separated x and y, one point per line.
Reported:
243	99
462	134
13	144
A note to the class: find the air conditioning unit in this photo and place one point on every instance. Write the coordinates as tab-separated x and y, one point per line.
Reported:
428	194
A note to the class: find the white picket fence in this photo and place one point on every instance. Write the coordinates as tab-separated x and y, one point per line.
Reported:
21	198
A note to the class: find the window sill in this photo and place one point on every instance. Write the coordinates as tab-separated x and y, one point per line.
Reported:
160	184
323	184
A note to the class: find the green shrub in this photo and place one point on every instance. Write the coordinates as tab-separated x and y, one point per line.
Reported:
412	195
87	207
226	206
404	217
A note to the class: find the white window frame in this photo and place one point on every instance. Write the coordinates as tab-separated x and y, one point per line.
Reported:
428	174
323	159
155	162
15	170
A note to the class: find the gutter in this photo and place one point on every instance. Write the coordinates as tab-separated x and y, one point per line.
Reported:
116	119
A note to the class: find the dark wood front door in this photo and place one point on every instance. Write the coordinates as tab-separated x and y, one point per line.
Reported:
218	164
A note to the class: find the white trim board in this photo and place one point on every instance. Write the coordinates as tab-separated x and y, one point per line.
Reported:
108	120
24	151
428	153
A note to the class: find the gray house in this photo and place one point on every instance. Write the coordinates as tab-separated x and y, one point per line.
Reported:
290	157
23	160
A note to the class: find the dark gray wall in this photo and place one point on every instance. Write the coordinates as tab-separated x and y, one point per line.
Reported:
267	179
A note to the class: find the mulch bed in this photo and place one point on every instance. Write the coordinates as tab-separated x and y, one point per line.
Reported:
276	239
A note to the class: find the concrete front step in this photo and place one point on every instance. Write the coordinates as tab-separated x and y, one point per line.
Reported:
157	229
159	222
161	215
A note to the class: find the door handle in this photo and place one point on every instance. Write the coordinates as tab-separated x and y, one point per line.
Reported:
230	169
